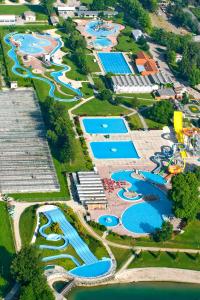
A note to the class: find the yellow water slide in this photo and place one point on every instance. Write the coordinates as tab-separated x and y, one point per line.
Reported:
178	127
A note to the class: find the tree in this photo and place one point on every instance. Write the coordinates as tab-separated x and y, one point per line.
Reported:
185	99
26	265
106	94
161	112
185	195
27	269
163	234
48	6
171	57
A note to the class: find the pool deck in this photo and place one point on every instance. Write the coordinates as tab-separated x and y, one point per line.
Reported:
146	144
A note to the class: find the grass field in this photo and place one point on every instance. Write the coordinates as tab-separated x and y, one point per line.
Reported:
27	224
126	42
94	67
7	250
20	9
135	122
166	259
97	107
121	256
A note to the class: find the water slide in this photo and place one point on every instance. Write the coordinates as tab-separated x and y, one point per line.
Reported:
56	216
178	127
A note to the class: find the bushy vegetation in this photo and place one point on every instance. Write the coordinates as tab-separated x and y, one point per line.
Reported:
27	270
161	112
163	234
59	129
185	195
189	67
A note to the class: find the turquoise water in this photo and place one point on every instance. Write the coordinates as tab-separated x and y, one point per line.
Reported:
139	291
102	42
104	125
30	44
28	74
153	177
92	267
114	62
143	217
114	150
93	29
109	220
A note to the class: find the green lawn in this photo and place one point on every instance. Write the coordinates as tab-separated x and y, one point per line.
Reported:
87	90
134	122
27	224
7	250
166	259
153	124
74	73
20	9
189	239
142	96
126	42
94	67
134	102
121	255
97	107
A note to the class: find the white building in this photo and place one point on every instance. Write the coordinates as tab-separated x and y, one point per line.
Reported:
29	16
133	84
7	19
66	11
137	34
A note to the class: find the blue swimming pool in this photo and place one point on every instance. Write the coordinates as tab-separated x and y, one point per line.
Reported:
114	150
114	62
30	44
153	177
99	29
94	270
146	216
102	42
104	125
108	220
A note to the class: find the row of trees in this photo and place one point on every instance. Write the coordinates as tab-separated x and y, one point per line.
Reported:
27	270
102	4
59	129
76	42
189	67
161	112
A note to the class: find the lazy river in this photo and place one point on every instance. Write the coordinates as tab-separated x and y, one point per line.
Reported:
29	44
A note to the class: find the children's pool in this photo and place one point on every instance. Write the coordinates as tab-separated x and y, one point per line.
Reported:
114	62
104	125
108	220
102	42
101	29
114	150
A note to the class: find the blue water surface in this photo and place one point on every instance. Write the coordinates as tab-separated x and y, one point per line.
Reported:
109	220
94	270
92	29
153	177
114	150
31	44
102	42
114	62
143	217
104	125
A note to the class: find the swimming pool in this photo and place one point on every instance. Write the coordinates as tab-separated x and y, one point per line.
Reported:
143	217
104	125
153	177
31	44
108	220
114	150
102	42
114	62
99	29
